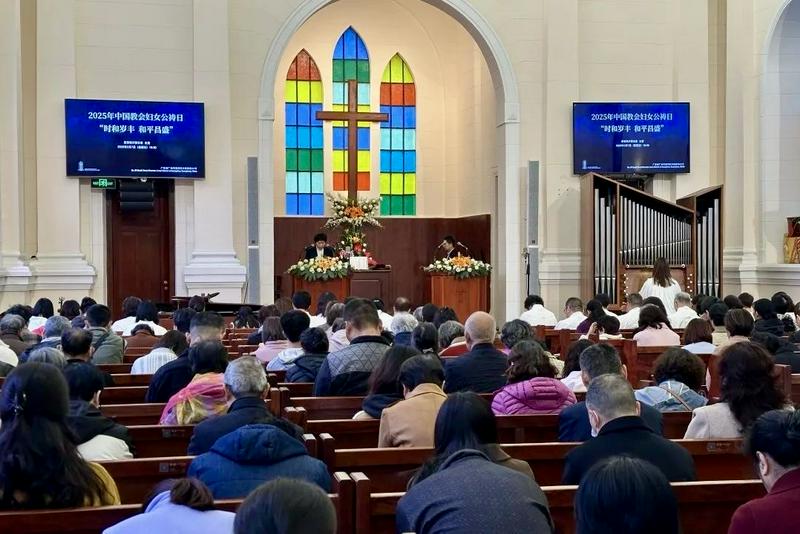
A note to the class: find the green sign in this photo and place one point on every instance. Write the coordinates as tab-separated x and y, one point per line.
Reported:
104	183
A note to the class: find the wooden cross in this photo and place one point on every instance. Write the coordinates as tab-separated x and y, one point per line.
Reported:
352	116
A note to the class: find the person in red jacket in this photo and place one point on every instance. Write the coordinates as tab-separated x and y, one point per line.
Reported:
774	442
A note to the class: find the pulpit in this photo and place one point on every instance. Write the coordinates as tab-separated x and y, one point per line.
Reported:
464	295
338	286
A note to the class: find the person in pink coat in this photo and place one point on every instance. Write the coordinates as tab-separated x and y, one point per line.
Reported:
532	384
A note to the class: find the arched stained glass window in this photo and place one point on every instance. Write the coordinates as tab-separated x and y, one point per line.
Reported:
398	180
305	194
350	62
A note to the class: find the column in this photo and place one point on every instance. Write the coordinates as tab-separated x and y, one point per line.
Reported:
213	265
59	263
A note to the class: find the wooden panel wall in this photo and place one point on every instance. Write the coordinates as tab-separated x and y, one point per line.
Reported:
407	244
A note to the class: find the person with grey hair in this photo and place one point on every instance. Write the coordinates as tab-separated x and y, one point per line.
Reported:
630	319
418	314
483	368
11	330
53	328
51	355
614	416
683	311
596	360
403	324
515	331
245	383
449	332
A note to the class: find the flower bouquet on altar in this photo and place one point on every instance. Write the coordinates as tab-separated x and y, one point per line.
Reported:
320	268
459	267
352	216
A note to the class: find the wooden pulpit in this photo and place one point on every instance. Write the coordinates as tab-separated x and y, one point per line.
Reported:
464	295
338	286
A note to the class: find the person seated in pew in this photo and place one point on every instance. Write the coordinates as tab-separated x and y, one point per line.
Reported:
716	313
40	465
182	321
53	328
272	340
738	326
573	315
654	329
347	371
733	302
450	333
536	314
99	438
784	309
205	395
385	388
518	330
165	350
483	368
605	328
324	300
129	306
594	312
698	337
147	313
177	506
314	342
49	355
630	319
286	506
683	311
614	416
76	344
108	346
263	313
42	310
572	366
784	352
469	484
245	318
766	320
410	422
142	336
246	387
12	327
747	389
442	315
597	360
746	299
679	375
336	331
386	319
293	324
774	444
301	301
403	325
532	384
626	495
175	375
425	338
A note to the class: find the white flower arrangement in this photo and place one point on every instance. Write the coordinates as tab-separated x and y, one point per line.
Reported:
320	268
460	267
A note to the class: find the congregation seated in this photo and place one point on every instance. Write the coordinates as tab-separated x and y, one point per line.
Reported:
597	360
450	333
320	320
625	495
678	375
654	329
442	315
466	457
99	438
129	306
337	333
108	346
286	506
71	309
747	389
572	366
698	337
51	332
11	329
347	371
573	315
738	326
263	313
614	418
605	328
293	324
774	444
766	319
784	352
176	375
42	310
246	387
272	340
245	318
633	305
39	461
536	314
314	343
425	338
142	337
146	313
385	388
182	321
411	421
177	506
403	325
76	344
49	355
166	349
784	309
594	311
716	313
483	368
684	313
385	318
532	384
204	396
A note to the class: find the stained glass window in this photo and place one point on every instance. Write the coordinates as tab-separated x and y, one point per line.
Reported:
304	159
398	186
350	62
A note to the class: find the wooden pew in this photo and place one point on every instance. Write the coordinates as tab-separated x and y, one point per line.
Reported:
391	469
131	380
796	388
123	395
155	441
134	414
116	368
705	507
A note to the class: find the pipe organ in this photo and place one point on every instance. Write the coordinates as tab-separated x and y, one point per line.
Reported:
625	230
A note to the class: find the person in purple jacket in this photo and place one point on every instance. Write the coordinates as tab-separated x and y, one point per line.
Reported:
532	384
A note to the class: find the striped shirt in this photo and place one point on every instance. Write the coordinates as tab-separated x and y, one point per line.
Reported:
150	363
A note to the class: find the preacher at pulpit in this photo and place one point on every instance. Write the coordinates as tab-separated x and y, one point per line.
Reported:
449	246
319	248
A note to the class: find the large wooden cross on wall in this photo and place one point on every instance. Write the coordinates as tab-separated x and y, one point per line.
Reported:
352	117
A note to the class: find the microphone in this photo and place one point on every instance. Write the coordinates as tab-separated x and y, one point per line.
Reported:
440	245
460	244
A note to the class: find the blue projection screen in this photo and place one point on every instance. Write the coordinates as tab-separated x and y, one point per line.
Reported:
630	138
131	139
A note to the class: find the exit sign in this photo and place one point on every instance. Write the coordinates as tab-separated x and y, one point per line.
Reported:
104	183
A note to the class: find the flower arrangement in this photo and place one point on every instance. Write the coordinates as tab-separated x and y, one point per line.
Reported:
320	268
352	216
460	267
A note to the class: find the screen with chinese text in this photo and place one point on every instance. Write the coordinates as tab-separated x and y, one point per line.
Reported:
630	138
132	139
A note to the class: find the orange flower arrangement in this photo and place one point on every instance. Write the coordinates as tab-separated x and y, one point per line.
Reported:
354	212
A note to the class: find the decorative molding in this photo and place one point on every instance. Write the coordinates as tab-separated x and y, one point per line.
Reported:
558	266
211	272
62	272
15	275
